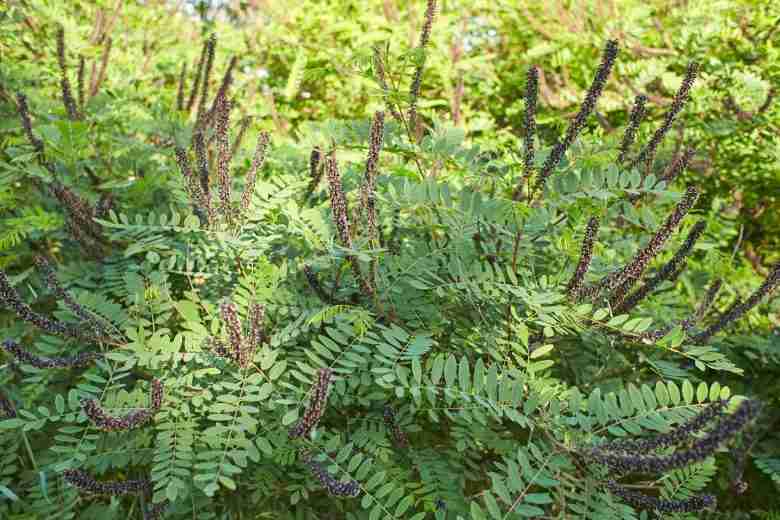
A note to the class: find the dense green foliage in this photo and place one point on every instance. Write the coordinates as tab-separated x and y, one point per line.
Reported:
351	275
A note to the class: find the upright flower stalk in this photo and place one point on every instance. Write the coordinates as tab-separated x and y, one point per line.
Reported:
67	94
414	89
86	483
574	286
135	419
647	154
316	409
634	120
769	285
529	128
587	107
627	276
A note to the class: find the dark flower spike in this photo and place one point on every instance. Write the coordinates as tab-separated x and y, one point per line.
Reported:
576	126
199	142
223	156
738	310
650	503
7	410
634	120
368	187
674	437
315	285
316	407
227	81
67	95
586	255
680	99
23	356
425	36
135	419
334	486
399	437
110	423
198	73
99	328
80	84
315	171
257	162
155	511
688	323
229	314
24	115
180	91
156	394
210	46
726	428
87	484
634	269
529	127
338	202
10	299
192	186
738	484
674	265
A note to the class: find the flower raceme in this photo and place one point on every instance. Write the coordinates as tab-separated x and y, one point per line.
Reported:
334	486
316	407
134	419
86	483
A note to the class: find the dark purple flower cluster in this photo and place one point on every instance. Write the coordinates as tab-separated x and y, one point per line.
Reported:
211	45
680	99
586	255
10	299
737	310
634	120
316	408
399	437
198	73
224	86
132	420
223	107
67	95
239	348
110	423
650	503
23	356
338	201
529	127
257	162
725	428
368	187
87	484
414	89
675	265
98	327
315	285
588	105
674	437
192	186
156	394
334	486
7	410
24	114
80	83
625	278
